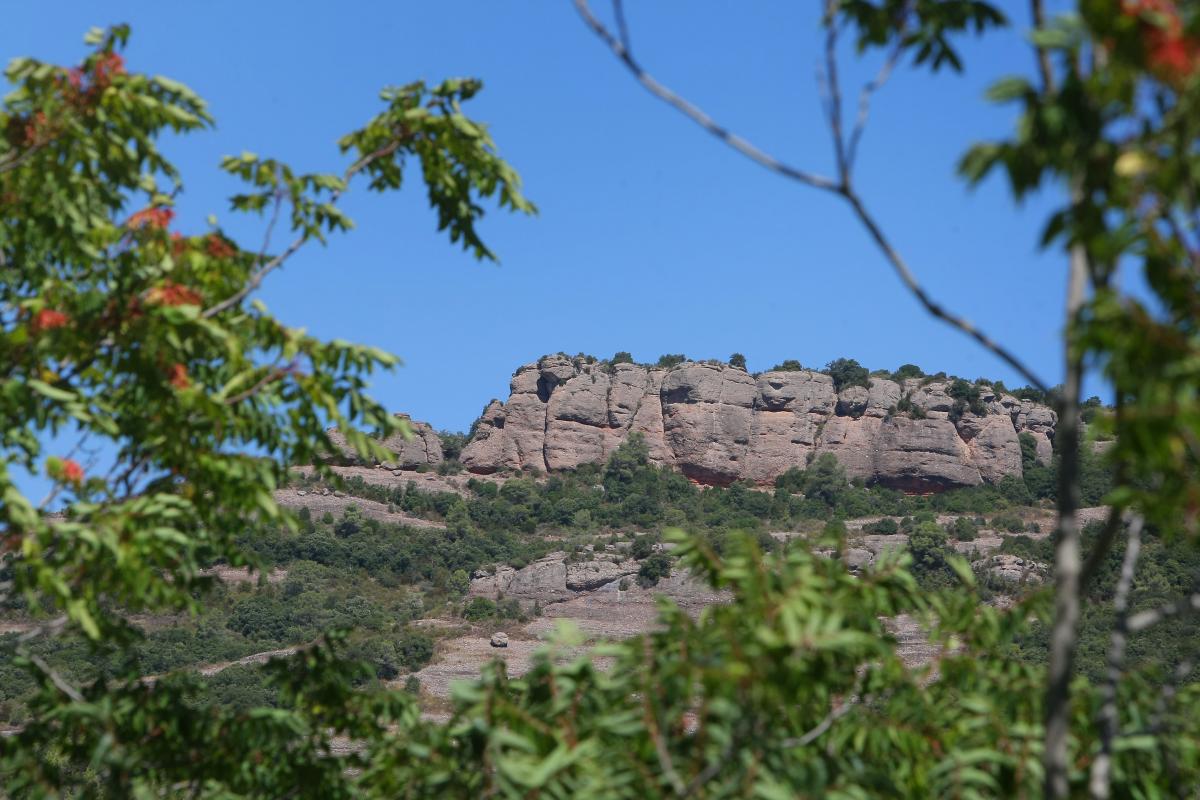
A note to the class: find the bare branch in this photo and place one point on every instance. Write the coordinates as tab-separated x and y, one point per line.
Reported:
1064	635
835	713
622	26
833	102
1100	784
693	112
59	682
1145	619
17	160
1043	56
49	629
1167	695
934	308
864	102
1112	526
839	188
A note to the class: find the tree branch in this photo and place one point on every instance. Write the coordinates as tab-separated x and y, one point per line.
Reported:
839	188
694	113
59	682
1112	526
1145	619
1100	784
1045	69
258	276
1065	632
271	376
835	713
833	101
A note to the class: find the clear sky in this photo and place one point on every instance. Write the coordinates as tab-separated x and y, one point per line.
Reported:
652	237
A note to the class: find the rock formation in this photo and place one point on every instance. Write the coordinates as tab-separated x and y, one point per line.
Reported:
718	424
423	448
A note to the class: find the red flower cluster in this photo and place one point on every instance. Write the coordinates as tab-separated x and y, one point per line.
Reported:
153	217
218	247
174	294
47	320
1171	55
178	377
71	471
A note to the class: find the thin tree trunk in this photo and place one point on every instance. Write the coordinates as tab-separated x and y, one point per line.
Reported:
1100	784
1067	561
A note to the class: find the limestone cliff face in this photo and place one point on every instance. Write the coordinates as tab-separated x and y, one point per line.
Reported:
718	424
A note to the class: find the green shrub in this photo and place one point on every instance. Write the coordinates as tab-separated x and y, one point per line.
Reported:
1010	523
671	360
885	527
414	649
479	609
962	529
641	548
653	568
906	371
847	372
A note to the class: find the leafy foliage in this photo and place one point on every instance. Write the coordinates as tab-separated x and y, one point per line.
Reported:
847	372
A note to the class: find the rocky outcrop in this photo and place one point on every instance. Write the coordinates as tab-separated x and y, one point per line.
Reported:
424	448
718	424
552	579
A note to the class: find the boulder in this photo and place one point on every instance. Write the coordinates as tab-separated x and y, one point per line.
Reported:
545	580
882	397
490	448
707	411
996	450
1014	569
800	390
586	576
423	448
852	442
852	401
499	639
923	455
1038	418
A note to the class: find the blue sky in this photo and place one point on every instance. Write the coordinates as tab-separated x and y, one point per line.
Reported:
652	237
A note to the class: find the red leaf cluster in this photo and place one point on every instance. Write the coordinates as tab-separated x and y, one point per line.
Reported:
153	217
106	68
47	320
71	471
1171	55
219	247
178	377
174	294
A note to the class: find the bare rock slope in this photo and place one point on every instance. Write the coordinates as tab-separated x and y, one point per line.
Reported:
718	424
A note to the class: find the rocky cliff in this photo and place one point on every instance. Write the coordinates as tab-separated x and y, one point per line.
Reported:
718	424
